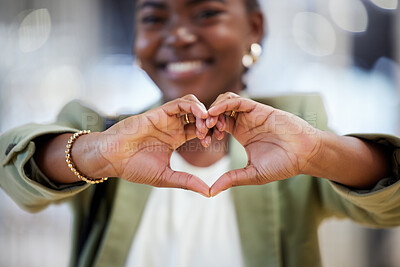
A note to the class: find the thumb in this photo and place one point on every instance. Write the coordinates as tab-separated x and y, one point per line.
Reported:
184	180
245	176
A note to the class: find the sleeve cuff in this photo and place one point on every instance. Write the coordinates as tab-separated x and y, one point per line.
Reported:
20	176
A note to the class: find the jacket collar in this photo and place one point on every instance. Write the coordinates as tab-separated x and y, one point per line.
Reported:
257	212
128	206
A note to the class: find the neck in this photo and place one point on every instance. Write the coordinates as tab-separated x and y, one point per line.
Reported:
197	155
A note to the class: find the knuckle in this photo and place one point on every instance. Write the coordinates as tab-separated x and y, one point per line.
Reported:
221	96
231	95
186	182
190	97
232	178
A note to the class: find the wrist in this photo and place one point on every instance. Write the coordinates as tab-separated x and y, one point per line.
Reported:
87	159
318	161
349	161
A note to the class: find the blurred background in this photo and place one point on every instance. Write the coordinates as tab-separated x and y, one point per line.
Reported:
53	51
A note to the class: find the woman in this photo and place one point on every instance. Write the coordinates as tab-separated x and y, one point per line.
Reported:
194	50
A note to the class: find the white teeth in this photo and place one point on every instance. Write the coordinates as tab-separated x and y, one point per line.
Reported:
180	67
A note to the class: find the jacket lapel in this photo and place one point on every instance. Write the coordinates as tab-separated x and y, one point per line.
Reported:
257	215
127	210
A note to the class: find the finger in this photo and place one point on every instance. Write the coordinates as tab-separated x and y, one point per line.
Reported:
188	118
211	121
225	124
245	176
221	123
232	114
200	135
193	98
218	121
221	96
219	129
218	134
181	107
227	95
237	104
201	128
184	180
206	141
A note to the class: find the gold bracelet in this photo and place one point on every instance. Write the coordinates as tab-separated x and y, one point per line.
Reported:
71	165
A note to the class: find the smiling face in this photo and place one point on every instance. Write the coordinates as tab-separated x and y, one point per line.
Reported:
195	46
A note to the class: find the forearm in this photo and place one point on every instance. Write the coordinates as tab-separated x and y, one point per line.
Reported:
50	157
350	161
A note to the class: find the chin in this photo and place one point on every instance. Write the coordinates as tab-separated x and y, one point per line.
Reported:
171	92
205	91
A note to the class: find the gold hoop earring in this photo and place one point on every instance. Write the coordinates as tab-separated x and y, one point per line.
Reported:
255	52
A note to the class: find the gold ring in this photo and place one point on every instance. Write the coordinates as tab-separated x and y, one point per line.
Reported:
232	114
187	119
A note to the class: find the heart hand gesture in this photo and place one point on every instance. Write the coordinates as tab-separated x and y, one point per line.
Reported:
139	148
279	145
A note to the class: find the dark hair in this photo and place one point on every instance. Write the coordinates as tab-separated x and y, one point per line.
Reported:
252	5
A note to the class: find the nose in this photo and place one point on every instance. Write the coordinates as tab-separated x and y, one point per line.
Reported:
180	36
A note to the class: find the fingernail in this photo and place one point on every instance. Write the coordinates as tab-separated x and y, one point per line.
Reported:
219	125
207	122
212	193
204	143
208	140
220	136
204	195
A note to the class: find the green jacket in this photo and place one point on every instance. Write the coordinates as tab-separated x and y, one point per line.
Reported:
278	222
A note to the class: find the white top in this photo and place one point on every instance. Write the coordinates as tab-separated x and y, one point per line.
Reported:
184	229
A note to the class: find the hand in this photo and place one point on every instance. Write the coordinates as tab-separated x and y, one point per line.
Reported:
279	145
139	148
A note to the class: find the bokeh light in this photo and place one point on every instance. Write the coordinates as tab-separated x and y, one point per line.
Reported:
349	15
386	4
34	30
314	34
